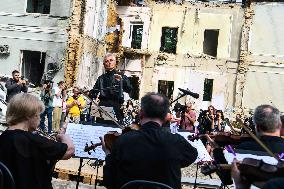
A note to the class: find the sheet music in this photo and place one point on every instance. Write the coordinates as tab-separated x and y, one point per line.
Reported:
203	155
267	159
82	134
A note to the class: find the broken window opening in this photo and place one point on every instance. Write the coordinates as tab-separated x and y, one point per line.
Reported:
166	88
134	80
137	33
208	89
169	40
138	3
210	43
33	63
38	6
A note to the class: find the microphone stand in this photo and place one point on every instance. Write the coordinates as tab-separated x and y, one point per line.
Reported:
178	98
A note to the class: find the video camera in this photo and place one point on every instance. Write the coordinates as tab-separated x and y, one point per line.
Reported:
48	84
179	108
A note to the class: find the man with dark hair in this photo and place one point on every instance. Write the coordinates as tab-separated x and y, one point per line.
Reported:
15	85
267	125
151	153
47	98
110	86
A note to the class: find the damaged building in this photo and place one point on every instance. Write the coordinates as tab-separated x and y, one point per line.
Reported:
212	48
86	42
33	38
261	69
195	47
229	52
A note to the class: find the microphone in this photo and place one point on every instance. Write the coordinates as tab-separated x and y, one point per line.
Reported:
188	92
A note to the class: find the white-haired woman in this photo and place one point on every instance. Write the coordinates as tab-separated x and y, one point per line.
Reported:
26	154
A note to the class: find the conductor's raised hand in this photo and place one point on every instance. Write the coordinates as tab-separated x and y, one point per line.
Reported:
105	149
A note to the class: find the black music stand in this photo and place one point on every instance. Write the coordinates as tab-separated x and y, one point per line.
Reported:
94	165
81	134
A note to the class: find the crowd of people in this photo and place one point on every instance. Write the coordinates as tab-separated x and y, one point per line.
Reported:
152	151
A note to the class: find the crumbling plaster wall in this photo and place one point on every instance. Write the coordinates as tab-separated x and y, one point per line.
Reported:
264	82
93	45
60	8
189	67
192	20
34	32
191	75
134	15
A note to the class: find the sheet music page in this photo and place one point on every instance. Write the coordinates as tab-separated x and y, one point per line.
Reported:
82	134
203	155
267	159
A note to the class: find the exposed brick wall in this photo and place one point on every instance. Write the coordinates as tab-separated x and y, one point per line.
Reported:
244	53
74	42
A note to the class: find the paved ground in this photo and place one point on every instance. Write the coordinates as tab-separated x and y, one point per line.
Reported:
63	184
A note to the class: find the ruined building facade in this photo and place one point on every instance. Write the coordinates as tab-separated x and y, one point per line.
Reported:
217	50
33	38
230	54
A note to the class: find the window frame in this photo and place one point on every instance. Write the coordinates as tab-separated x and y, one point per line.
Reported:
132	24
36	13
209	94
163	40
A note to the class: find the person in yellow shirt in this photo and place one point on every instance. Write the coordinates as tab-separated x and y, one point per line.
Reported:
75	105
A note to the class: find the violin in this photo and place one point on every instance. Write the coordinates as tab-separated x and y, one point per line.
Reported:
223	138
256	171
109	139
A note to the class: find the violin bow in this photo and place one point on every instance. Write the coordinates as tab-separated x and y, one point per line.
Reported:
102	110
259	141
230	125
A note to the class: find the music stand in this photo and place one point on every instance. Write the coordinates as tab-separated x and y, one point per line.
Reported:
96	112
82	134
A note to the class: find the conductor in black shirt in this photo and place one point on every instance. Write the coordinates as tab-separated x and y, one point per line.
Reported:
29	156
110	86
151	153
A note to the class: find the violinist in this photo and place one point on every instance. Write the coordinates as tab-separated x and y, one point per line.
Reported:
268	126
150	153
28	155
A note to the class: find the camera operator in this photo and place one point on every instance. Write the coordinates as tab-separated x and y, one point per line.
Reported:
47	98
206	120
188	117
15	85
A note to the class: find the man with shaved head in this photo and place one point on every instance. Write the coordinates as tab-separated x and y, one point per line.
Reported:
151	153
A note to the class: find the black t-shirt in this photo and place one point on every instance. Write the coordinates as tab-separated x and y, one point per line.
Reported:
274	143
30	157
151	153
110	89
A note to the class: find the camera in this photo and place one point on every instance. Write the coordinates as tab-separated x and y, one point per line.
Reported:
48	84
179	108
